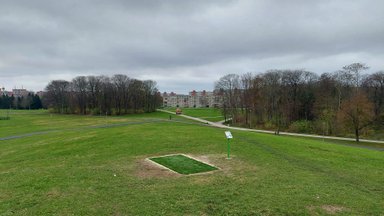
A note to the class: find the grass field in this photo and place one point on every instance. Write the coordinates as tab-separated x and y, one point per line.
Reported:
83	165
210	114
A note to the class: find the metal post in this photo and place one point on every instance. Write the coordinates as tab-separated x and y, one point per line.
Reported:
229	148
250	118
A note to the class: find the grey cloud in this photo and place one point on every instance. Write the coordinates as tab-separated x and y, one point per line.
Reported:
186	38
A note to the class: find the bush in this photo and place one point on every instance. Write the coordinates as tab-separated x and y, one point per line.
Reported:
269	126
52	110
302	126
95	111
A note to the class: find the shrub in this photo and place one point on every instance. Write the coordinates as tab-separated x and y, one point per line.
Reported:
302	126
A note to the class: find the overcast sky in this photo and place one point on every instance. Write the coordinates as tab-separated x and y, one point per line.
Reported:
183	45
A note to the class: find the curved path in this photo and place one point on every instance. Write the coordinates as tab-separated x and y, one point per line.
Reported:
220	125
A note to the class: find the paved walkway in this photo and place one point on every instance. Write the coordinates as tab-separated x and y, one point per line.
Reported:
220	125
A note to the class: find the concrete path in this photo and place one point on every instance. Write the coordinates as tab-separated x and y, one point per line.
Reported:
219	125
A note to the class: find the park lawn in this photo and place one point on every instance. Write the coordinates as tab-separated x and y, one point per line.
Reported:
24	122
368	145
209	114
102	171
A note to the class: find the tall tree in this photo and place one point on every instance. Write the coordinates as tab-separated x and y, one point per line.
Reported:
57	95
150	92
94	93
229	85
102	95
36	102
79	85
353	73
356	113
121	85
326	102
374	87
247	101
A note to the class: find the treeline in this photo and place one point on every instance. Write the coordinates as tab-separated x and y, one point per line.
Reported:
31	101
114	95
340	103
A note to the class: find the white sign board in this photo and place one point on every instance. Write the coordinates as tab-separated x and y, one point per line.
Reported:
228	134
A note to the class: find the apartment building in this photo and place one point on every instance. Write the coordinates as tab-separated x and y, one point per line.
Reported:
193	99
15	92
20	92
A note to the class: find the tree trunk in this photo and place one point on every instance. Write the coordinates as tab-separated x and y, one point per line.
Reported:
357	134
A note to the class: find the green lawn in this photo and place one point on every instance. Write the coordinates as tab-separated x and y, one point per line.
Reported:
182	164
210	114
84	165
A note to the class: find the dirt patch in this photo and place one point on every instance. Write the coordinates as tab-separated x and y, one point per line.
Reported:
229	167
203	158
329	209
53	193
148	169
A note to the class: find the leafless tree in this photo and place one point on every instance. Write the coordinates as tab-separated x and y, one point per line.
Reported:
121	85
79	86
57	95
101	94
356	113
374	87
353	73
229	86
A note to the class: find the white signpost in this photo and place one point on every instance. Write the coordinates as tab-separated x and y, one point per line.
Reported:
229	137
228	134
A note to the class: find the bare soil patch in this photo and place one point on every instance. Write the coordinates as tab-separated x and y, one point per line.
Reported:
147	169
328	209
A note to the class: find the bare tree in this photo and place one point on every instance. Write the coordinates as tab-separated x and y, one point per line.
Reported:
353	73
273	94
327	99
229	86
57	95
293	99
247	102
101	94
79	85
356	113
121	85
94	93
374	87
150	95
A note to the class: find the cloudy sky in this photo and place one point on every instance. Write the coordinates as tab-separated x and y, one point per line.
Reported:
183	45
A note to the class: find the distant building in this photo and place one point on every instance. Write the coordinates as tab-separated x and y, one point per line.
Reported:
40	94
3	92
193	99
20	92
15	92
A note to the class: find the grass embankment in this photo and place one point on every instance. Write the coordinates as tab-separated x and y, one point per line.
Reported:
84	170
209	114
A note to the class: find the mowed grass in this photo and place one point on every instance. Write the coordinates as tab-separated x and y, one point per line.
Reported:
182	164
210	114
82	169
